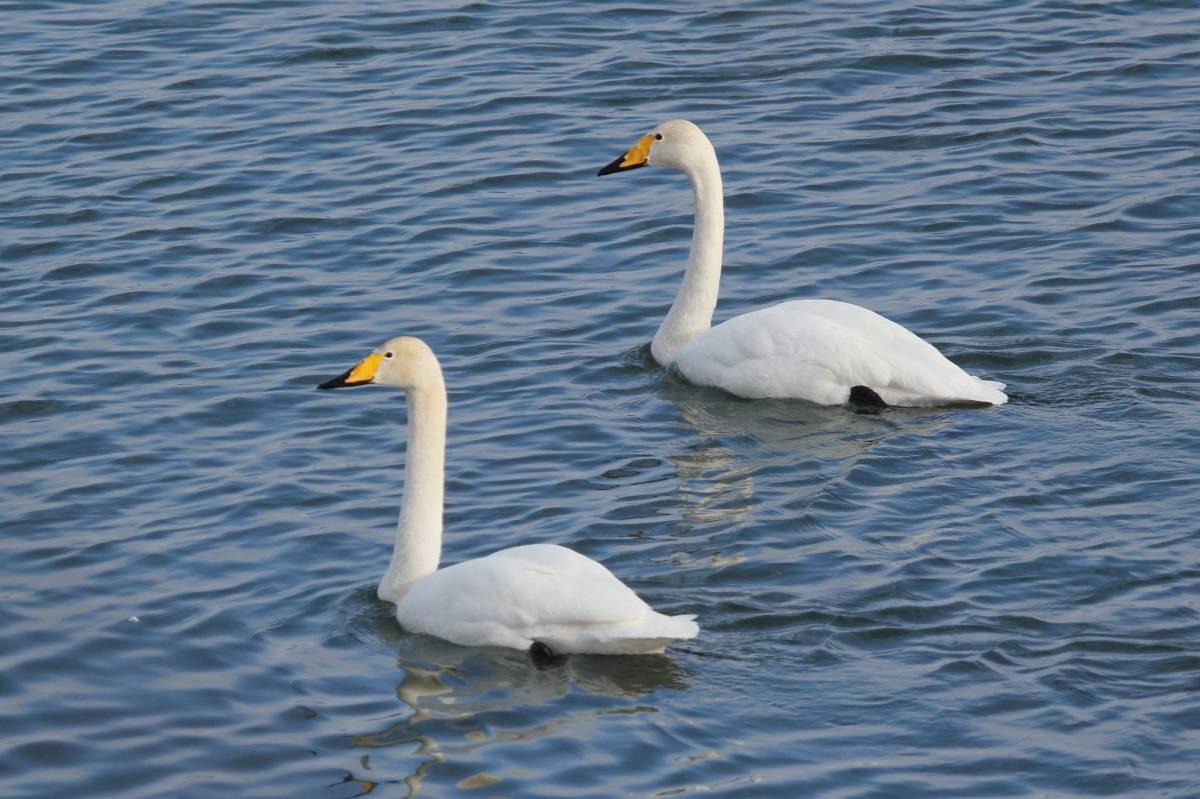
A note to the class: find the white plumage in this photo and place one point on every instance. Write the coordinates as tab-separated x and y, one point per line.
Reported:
819	349
816	350
512	598
538	592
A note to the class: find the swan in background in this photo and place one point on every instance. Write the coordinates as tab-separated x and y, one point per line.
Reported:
541	597
824	351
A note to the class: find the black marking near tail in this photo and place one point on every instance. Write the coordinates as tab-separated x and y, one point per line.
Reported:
865	400
541	654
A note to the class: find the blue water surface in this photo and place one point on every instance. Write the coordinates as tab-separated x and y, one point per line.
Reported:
206	208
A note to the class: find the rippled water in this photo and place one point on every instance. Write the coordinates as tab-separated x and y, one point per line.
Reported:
207	208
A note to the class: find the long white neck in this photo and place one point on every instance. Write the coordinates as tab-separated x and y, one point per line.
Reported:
692	311
419	529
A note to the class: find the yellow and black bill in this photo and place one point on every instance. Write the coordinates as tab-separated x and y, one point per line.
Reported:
361	375
634	157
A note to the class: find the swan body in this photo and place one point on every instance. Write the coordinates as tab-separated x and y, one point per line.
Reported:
538	592
816	350
819	350
516	597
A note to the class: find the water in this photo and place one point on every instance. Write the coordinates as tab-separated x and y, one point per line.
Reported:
208	208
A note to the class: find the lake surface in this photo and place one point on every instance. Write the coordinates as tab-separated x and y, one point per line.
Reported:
208	208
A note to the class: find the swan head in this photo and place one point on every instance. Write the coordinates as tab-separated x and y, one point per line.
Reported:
404	362
677	144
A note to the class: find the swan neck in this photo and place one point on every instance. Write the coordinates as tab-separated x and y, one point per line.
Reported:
692	311
418	547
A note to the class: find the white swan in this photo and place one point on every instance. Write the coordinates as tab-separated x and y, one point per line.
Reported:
539	597
824	351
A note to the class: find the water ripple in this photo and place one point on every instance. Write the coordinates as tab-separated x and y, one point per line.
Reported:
210	208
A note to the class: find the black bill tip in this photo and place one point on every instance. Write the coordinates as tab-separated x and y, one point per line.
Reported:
341	381
615	166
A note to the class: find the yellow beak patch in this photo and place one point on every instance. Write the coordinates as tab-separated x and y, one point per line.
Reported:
638	153
636	156
365	371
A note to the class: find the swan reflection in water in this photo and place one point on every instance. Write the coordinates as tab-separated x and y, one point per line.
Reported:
754	473
455	700
737	439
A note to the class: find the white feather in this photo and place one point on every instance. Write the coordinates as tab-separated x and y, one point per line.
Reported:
511	598
538	592
817	350
820	349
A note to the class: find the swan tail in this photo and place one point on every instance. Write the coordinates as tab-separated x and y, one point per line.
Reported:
664	629
993	391
651	635
983	394
688	628
654	634
677	627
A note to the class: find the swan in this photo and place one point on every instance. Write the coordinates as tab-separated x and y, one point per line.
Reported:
541	597
824	351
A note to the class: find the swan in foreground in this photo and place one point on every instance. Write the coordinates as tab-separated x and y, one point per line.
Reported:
824	351
541	597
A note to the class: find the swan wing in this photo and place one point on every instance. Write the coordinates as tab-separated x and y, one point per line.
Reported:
538	592
819	349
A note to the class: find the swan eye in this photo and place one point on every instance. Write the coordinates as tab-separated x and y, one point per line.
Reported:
389	355
658	136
